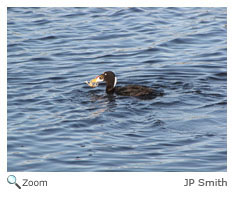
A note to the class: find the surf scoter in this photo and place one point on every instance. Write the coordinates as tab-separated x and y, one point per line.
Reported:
129	90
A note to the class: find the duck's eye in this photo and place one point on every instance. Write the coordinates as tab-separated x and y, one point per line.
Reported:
100	77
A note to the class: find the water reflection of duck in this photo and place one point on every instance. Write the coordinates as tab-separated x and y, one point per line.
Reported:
129	90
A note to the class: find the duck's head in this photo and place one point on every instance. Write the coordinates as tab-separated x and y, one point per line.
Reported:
108	77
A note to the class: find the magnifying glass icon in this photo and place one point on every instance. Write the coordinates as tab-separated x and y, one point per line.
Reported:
11	179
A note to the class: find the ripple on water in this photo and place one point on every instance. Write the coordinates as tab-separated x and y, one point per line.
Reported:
57	123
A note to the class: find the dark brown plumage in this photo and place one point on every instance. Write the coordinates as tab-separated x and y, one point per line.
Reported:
129	90
133	90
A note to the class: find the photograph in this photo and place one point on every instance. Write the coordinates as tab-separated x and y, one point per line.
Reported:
116	89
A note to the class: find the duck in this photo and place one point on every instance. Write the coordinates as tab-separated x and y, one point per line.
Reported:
110	79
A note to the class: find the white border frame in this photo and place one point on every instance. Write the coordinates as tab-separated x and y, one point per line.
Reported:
145	184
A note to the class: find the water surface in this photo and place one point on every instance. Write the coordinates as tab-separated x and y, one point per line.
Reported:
57	123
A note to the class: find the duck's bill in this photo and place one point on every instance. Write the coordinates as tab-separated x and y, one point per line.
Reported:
95	82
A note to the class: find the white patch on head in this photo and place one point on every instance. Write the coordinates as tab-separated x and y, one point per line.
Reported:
115	81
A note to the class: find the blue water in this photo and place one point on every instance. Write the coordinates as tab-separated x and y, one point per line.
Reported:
57	123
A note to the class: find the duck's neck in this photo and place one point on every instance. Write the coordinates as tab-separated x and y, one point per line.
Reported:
110	86
110	89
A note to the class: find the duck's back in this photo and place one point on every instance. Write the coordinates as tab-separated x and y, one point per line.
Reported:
134	90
